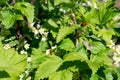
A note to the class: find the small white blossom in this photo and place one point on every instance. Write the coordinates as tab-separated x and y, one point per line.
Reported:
48	52
62	10
29	78
27	73
31	25
35	32
27	46
23	52
21	77
111	44
7	46
117	17
29	59
43	38
45	34
41	31
116	59
117	64
118	49
84	4
89	3
53	47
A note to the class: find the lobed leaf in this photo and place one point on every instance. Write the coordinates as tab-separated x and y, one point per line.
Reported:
26	9
12	64
61	75
67	45
63	32
48	67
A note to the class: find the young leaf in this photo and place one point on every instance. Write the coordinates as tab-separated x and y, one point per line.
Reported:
63	32
106	34
52	23
108	75
97	47
48	67
8	18
94	77
11	63
67	45
75	56
26	9
57	2
61	75
94	66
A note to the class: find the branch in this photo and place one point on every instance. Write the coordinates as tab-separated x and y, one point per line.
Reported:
76	31
32	2
13	2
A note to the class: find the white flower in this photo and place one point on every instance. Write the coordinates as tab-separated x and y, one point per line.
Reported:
27	46
31	25
117	17
41	31
89	3
35	32
29	78
21	77
84	4
48	52
27	73
29	59
23	52
116	59
45	34
53	47
117	64
43	38
7	46
118	49
62	10
111	44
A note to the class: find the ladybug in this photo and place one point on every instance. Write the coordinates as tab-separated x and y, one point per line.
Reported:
83	24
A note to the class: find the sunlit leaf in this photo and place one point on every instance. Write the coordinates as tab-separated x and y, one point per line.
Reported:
48	67
59	75
8	18
26	9
63	32
11	63
67	44
75	56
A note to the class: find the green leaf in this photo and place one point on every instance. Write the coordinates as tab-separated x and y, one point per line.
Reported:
52	23
97	47
94	66
48	67
67	45
75	56
8	18
57	2
106	34
98	60
94	77
108	75
63	32
26	9
11	63
37	57
61	75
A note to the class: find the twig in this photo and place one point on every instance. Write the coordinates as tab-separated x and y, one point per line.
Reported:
32	2
13	2
76	31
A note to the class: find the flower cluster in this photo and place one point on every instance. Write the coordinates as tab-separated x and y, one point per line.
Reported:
116	53
39	30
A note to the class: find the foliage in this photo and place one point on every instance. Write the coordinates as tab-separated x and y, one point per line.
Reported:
59	40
